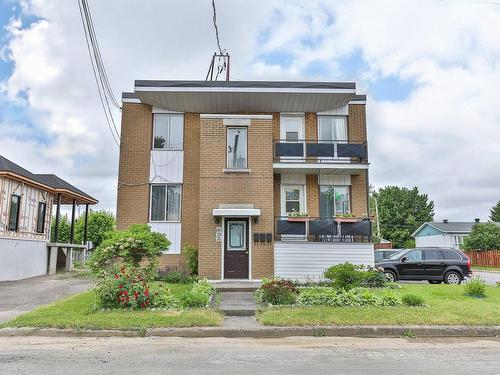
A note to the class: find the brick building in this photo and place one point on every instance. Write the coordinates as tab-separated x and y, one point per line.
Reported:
234	167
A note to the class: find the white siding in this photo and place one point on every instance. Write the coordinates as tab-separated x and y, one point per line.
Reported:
173	233
333	179
293	179
340	111
308	260
20	259
166	167
438	240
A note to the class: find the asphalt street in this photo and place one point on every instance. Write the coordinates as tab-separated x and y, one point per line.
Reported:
294	355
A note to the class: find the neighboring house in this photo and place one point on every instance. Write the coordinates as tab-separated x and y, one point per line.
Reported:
443	234
221	165
26	203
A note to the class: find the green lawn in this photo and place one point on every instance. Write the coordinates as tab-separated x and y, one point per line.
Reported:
481	268
447	305
76	312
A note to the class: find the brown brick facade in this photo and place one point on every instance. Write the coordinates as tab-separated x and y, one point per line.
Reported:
133	175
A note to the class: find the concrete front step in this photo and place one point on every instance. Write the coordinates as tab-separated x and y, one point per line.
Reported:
238	303
236	286
238	312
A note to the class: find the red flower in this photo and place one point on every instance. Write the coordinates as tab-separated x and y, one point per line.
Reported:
117	276
120	286
122	270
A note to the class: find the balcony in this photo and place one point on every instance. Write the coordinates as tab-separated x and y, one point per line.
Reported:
334	156
316	229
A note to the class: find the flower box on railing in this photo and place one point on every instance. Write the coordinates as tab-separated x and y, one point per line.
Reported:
347	219
299	219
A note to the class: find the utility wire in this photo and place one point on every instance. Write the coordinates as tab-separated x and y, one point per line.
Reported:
216	28
103	86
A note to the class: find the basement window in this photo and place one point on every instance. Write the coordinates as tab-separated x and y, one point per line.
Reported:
165	203
168	131
237	148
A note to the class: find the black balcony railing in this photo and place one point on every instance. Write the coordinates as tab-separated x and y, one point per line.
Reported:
316	229
320	151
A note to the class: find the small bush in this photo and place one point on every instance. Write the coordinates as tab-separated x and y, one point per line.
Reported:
191	255
162	297
413	300
198	296
389	298
475	287
345	276
374	278
174	276
277	292
344	298
125	289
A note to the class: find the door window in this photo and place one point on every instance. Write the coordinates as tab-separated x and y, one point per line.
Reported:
414	256
333	200
236	235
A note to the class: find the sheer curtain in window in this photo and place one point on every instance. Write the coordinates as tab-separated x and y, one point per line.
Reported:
173	203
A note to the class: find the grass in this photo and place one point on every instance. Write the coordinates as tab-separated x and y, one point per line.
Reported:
77	312
482	268
446	304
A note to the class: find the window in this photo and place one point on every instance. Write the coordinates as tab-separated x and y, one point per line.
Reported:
168	131
432	255
15	203
165	202
236	237
40	218
332	128
292	136
292	200
237	147
333	200
414	256
450	255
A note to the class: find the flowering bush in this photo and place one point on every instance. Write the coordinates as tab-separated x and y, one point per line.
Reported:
125	289
277	292
137	247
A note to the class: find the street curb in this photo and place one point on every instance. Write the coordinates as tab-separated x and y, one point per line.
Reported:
267	332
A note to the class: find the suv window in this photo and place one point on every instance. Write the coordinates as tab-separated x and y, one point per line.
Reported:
432	255
414	256
450	254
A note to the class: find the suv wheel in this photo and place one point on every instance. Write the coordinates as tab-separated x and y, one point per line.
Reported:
435	281
453	278
390	276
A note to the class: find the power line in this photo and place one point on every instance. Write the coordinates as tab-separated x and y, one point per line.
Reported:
103	86
214	18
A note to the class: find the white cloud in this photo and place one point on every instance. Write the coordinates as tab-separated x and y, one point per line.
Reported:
443	137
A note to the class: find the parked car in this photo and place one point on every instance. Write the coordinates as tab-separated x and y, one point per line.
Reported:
432	264
384	254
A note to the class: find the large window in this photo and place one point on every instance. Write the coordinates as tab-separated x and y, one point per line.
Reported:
15	203
165	202
333	200
332	128
40	217
168	132
237	148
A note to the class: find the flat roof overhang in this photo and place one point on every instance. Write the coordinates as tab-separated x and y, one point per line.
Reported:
323	168
245	96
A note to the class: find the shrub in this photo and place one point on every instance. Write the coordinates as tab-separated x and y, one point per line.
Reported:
125	289
100	223
374	278
475	287
277	292
389	298
190	253
137	247
318	297
198	296
174	276
345	276
162	297
344	298
413	300
484	236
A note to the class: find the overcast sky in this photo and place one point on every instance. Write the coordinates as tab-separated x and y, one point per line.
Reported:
430	69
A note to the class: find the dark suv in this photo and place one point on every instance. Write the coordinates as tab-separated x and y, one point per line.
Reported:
435	265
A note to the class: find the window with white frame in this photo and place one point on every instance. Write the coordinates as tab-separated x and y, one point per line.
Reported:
165	203
333	200
237	157
332	128
168	131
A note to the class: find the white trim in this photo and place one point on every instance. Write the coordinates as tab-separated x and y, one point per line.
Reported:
224	116
131	100
223	244
302	199
245	89
339	111
332	165
292	114
236	212
250	244
236	170
357	102
237	122
163	110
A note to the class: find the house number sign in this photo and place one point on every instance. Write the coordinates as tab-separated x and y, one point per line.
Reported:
219	234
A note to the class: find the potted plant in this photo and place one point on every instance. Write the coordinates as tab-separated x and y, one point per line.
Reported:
298	216
346	218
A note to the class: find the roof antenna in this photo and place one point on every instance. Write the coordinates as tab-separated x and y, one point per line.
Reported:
222	57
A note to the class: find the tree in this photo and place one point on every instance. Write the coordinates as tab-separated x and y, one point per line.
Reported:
400	212
495	213
99	224
64	229
484	236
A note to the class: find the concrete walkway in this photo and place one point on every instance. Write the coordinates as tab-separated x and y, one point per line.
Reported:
18	297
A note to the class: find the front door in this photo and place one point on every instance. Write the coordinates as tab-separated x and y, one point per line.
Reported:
292	131
236	249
